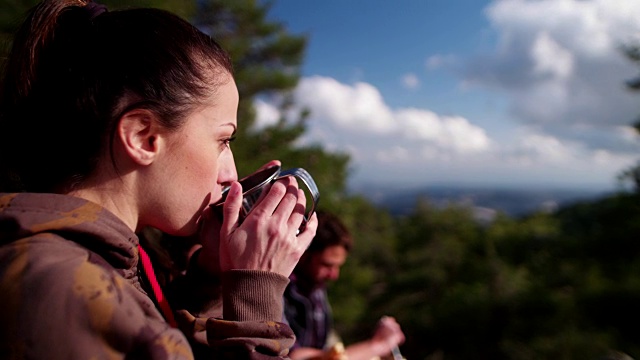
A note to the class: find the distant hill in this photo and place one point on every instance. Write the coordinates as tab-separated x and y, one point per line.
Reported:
486	202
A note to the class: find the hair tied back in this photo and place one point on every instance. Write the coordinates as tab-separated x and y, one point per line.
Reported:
94	9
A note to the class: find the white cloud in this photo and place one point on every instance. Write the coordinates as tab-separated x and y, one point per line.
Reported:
410	81
383	141
590	27
549	58
545	148
393	155
266	114
438	61
360	111
453	133
560	64
349	107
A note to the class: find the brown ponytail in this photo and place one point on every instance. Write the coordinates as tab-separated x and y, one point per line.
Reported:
36	32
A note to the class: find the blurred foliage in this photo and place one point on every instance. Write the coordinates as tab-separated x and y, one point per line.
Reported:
558	285
632	174
267	61
547	286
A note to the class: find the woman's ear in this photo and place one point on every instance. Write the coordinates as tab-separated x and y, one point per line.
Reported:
138	132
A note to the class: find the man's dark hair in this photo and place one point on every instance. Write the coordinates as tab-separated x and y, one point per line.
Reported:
331	231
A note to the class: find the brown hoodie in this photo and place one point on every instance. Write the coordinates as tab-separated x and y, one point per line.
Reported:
69	289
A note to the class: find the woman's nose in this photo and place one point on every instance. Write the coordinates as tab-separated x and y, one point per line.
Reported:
227	171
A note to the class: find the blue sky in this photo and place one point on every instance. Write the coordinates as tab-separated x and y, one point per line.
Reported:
518	93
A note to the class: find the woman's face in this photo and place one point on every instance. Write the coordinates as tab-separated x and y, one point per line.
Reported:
198	162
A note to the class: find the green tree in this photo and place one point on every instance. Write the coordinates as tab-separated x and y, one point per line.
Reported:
606	254
632	174
545	286
267	61
367	271
440	292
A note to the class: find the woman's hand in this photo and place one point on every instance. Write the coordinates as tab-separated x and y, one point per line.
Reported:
209	235
266	239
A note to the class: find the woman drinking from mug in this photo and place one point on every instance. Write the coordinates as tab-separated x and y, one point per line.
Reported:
113	121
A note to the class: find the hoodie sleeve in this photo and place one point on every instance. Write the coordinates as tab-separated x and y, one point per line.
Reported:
235	316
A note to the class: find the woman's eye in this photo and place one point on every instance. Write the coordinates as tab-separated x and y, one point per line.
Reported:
227	142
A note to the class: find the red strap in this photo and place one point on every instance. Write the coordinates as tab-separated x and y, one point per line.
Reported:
157	290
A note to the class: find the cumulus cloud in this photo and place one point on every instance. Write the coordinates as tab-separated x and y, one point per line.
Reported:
560	64
355	118
352	107
454	133
266	114
550	59
360	111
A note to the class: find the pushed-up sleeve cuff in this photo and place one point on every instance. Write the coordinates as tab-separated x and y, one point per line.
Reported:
253	295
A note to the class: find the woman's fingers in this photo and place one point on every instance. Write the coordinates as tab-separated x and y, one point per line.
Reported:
304	238
267	238
297	215
280	200
292	206
231	208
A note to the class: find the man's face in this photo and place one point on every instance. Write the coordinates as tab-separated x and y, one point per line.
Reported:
324	266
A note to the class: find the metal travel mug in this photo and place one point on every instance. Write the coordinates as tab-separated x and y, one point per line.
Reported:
254	184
